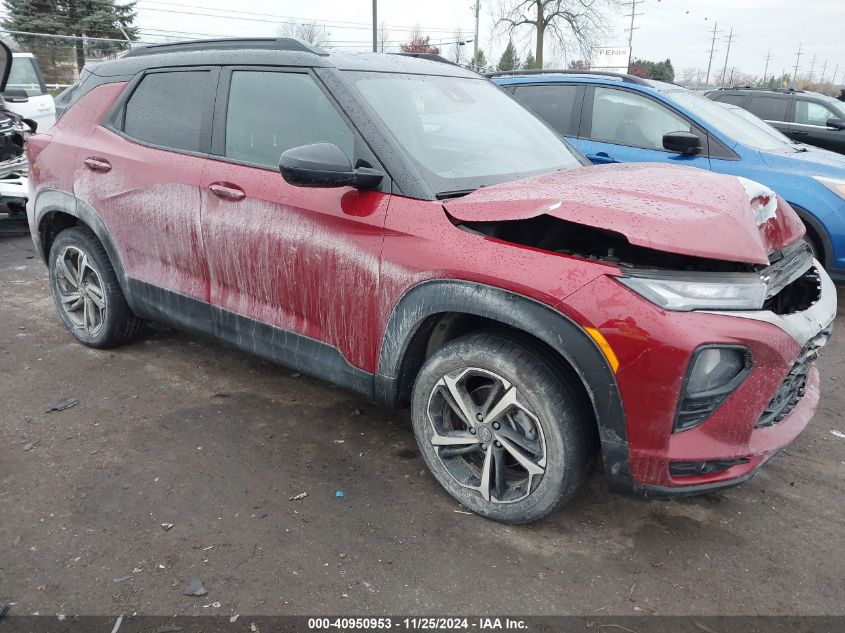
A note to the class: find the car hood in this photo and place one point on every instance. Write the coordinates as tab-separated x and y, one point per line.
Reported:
679	210
813	162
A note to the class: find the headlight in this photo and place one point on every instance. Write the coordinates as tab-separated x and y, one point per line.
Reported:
836	186
734	292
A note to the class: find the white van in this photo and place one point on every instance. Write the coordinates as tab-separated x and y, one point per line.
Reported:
26	94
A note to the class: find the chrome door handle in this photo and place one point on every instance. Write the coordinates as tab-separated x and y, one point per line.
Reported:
227	191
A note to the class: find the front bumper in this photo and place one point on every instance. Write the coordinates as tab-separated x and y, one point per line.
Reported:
654	348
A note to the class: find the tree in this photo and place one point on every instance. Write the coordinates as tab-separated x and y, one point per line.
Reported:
419	44
311	32
530	63
77	18
579	64
382	35
509	59
479	62
661	71
573	24
458	46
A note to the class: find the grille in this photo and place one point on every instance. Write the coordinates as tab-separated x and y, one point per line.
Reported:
793	387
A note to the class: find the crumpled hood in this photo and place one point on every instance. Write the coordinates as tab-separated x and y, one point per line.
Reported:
681	210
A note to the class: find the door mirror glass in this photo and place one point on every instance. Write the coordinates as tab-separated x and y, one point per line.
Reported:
325	165
836	124
682	142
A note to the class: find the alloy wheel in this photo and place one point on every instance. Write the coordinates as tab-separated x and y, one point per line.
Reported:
486	436
80	290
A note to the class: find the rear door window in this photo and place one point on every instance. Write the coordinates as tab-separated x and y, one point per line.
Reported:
768	108
167	109
270	112
559	105
24	76
736	100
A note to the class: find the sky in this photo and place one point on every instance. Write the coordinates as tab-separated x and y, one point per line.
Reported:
681	30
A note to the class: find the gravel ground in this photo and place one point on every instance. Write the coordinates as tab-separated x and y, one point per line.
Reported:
177	429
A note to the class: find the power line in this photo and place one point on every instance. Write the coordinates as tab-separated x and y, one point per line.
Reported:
633	4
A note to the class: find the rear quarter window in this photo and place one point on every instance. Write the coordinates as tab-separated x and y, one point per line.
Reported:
768	108
736	100
166	109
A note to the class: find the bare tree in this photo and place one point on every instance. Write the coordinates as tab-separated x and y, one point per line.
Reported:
382	36
573	24
311	32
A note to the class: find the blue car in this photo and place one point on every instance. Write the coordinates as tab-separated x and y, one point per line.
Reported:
615	118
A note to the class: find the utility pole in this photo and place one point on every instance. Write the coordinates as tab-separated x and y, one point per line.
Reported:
797	59
824	68
475	42
812	65
375	26
766	71
633	4
835	72
712	50
727	54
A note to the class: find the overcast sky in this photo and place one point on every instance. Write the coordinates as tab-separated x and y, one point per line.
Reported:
678	29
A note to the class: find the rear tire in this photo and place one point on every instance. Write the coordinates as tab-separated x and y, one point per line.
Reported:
87	294
499	428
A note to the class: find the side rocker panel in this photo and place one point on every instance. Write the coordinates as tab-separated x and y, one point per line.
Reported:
552	327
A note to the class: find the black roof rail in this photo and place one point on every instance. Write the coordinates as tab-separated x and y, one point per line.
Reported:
429	56
270	43
763	88
568	71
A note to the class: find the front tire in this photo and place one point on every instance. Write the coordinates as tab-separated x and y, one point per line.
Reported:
499	428
87	294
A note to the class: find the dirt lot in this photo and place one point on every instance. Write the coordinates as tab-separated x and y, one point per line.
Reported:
176	429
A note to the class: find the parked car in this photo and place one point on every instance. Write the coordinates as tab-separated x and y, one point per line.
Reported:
406	230
615	118
26	93
14	130
808	117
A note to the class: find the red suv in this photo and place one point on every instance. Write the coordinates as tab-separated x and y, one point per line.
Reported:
403	228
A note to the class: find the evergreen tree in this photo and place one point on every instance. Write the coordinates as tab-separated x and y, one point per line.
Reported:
479	62
530	63
509	59
79	18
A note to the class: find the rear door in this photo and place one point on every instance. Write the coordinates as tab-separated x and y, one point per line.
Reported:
141	173
772	108
294	270
809	124
623	126
558	104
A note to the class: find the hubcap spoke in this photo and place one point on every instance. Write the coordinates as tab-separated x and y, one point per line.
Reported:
529	445
457	400
516	453
71	297
486	471
505	402
80	290
458	439
68	274
81	265
500	475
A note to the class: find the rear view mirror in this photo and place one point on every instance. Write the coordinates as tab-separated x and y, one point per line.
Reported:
682	142
836	124
325	165
16	95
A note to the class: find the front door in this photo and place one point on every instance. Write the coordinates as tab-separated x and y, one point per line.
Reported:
294	270
622	126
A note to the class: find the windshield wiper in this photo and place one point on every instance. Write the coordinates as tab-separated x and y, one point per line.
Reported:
444	195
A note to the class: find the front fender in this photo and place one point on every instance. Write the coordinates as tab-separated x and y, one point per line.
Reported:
558	331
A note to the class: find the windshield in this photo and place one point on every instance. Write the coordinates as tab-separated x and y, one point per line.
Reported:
463	133
728	122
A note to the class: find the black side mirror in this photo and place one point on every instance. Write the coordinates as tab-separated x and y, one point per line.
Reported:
16	95
325	165
836	124
682	142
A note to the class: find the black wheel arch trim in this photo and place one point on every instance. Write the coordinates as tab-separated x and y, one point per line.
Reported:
57	201
559	332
